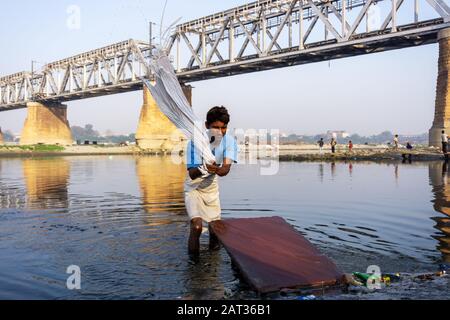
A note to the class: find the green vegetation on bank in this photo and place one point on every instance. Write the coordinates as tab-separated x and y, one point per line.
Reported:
35	148
88	133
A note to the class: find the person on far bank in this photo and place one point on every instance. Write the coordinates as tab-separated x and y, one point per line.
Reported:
409	146
444	139
350	146
396	142
201	190
333	145
321	143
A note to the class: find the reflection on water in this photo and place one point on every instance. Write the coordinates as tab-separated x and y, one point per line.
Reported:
46	182
439	173
123	221
162	189
203	280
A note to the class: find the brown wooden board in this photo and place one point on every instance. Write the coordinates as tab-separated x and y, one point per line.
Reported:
272	255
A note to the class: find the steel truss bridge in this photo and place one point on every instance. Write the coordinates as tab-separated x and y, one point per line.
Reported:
258	36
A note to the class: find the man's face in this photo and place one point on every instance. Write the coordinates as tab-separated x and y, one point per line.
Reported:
218	126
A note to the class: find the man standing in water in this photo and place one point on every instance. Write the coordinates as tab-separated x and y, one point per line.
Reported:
201	187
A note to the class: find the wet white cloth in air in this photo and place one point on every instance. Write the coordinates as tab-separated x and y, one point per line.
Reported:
202	194
170	98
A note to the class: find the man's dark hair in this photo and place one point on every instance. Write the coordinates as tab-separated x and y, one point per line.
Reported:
218	114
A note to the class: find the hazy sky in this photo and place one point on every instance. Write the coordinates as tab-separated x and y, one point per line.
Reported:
367	94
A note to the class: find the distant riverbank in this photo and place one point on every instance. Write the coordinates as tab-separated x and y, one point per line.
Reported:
283	152
52	150
359	153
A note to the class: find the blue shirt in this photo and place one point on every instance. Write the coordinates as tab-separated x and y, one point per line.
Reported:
227	149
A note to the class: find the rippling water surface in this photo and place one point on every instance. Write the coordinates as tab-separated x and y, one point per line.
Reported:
123	221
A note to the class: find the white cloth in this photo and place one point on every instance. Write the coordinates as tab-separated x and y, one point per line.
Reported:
170	98
202	194
202	199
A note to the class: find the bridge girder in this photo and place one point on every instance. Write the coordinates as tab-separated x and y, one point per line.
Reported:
115	68
259	36
267	28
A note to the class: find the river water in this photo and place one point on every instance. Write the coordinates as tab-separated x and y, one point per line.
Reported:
122	220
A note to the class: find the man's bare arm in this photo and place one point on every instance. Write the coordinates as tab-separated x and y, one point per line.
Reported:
225	169
222	171
195	173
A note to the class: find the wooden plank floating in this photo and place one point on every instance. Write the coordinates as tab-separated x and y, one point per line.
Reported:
273	256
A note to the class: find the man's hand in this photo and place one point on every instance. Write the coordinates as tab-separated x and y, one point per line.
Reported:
221	171
195	173
212	168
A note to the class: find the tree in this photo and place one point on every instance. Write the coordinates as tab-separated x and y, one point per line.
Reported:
8	136
88	133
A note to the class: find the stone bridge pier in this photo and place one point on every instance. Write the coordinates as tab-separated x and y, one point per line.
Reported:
46	124
156	133
442	107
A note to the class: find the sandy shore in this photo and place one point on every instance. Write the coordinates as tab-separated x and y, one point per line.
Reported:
314	149
359	153
14	151
285	152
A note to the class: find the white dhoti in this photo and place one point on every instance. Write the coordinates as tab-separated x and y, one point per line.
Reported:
202	198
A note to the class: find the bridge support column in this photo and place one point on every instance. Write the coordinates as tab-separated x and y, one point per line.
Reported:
156	133
442	107
46	124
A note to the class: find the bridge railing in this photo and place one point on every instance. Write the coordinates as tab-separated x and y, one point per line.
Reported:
267	28
98	72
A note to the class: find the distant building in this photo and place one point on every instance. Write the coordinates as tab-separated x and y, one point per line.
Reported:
338	134
108	133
